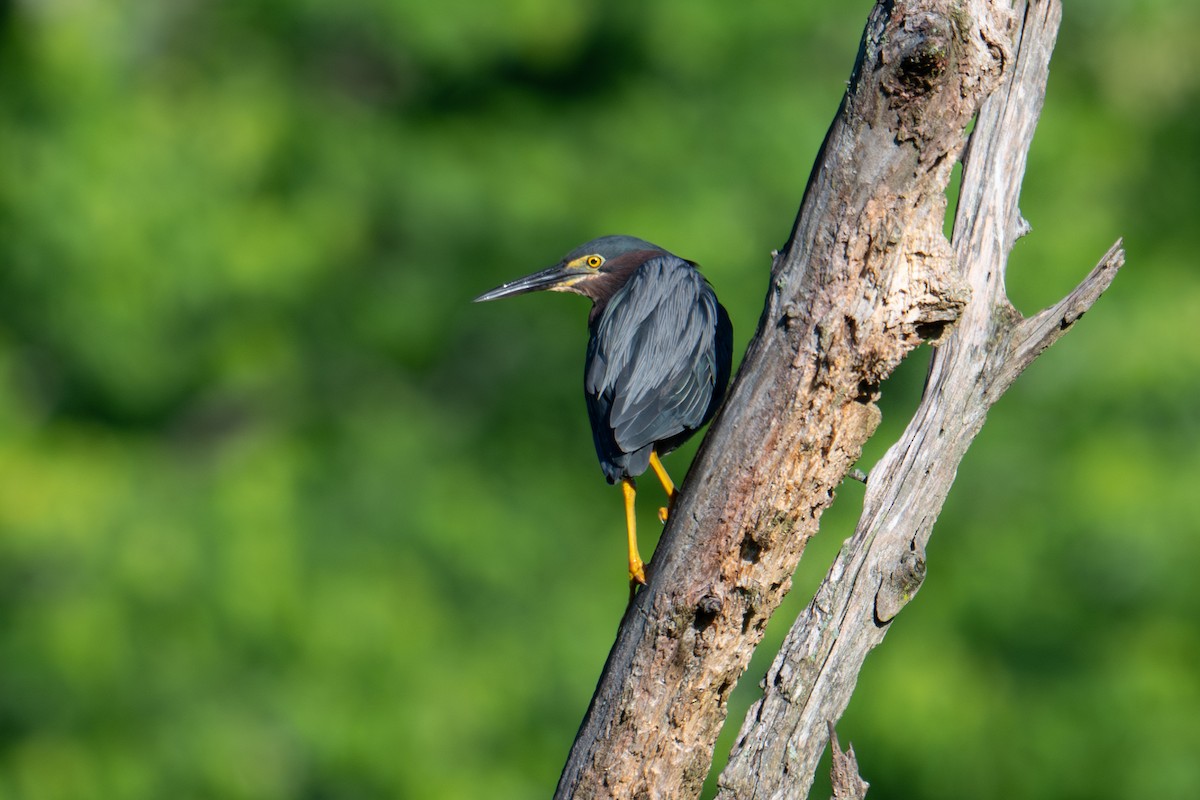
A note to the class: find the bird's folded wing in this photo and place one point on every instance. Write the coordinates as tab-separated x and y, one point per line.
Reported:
654	353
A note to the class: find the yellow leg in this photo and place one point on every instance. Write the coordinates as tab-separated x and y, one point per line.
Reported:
637	572
667	484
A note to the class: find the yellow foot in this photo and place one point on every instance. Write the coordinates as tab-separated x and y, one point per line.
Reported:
664	512
637	574
637	578
637	569
667	484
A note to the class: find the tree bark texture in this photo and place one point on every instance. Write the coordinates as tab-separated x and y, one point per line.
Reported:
881	567
867	275
847	784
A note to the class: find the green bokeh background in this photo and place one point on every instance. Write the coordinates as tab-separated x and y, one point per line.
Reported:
282	515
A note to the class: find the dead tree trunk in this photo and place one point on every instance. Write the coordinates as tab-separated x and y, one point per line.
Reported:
867	276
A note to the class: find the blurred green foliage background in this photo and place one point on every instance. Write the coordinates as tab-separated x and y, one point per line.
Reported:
282	515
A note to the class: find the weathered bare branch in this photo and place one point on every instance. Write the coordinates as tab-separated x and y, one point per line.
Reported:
1035	334
881	567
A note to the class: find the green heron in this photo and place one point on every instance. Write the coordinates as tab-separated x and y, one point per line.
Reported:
657	361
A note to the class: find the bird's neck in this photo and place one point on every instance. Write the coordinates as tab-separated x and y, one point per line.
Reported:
616	274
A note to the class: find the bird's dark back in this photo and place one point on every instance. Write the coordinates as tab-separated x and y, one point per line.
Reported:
658	363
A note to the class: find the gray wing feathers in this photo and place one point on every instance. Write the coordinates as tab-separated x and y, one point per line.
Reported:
655	354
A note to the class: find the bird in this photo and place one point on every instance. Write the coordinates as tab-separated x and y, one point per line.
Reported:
658	357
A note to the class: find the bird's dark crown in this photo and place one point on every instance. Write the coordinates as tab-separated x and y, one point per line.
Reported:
610	247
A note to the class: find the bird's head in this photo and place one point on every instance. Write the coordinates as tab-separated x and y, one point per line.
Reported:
594	269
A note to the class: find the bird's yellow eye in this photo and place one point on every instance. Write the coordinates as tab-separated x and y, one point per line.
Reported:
594	261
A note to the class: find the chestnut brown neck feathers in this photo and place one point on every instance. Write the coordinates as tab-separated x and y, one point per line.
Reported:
611	277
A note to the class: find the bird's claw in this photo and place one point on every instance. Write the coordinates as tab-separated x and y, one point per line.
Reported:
664	512
637	574
637	578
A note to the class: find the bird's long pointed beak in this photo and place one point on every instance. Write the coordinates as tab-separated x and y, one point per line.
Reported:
549	278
